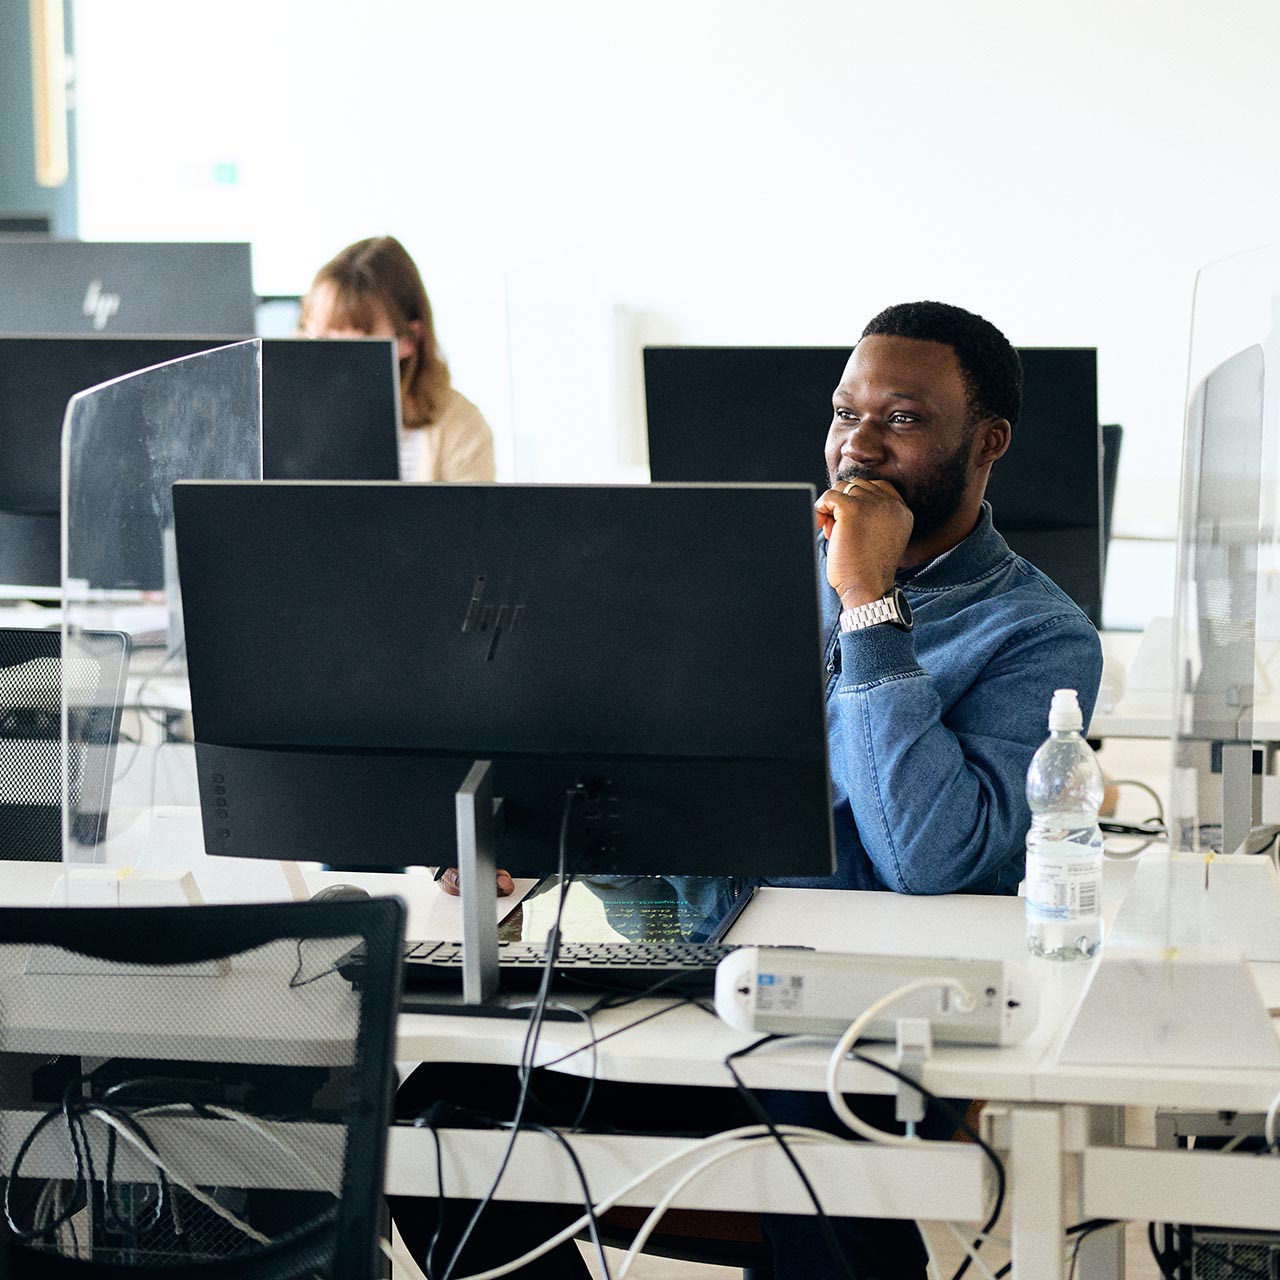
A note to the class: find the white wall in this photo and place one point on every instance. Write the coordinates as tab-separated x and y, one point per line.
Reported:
713	171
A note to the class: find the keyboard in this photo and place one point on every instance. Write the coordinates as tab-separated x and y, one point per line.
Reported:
688	968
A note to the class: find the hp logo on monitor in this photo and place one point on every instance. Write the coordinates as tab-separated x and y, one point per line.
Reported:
489	619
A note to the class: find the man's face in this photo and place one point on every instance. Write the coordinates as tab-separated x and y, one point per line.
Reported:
901	413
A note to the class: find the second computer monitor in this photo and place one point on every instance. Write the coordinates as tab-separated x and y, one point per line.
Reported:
330	411
762	414
120	287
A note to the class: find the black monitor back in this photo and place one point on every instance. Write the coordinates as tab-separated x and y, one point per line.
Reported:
352	649
330	411
83	286
762	413
25	224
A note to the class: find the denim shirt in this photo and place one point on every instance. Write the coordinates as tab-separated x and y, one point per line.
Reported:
931	731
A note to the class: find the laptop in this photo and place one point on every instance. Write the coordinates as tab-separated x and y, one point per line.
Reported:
619	935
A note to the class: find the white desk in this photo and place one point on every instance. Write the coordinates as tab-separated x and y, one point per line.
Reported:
1042	1106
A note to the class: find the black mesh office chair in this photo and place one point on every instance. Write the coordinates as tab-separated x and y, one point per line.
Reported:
195	1091
31	738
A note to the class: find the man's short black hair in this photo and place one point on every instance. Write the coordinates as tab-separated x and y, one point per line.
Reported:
991	368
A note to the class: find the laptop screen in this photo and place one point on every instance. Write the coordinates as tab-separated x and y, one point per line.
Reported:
651	909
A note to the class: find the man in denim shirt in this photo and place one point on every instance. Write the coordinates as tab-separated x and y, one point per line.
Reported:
943	652
944	647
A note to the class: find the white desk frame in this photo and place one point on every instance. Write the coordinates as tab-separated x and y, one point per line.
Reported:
1040	1107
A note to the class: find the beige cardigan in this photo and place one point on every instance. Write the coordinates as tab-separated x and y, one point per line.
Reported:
457	446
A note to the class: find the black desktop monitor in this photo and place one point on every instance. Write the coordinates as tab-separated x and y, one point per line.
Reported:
25	224
330	411
353	649
83	286
761	414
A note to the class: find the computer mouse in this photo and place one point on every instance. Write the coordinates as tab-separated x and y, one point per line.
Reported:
339	893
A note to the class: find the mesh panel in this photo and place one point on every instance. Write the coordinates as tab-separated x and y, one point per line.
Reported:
1232	1255
31	678
166	1115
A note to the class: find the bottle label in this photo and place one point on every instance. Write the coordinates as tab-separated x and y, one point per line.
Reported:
1062	887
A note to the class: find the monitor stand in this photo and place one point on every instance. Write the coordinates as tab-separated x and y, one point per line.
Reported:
477	882
478	819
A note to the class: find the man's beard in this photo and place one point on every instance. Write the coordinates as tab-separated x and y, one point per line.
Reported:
933	498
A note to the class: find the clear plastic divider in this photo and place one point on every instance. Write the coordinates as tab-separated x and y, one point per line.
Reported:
1174	985
131	819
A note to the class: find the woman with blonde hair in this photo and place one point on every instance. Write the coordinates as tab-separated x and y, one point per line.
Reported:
373	289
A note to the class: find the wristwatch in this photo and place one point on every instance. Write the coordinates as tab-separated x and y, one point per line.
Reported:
895	609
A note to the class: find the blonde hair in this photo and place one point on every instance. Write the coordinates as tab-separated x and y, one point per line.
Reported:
379	275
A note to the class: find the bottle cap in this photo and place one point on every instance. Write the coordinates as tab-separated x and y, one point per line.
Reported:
1064	712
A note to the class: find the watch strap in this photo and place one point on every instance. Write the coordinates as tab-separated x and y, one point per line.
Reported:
872	614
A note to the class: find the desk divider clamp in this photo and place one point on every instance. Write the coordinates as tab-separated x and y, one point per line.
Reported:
915	1044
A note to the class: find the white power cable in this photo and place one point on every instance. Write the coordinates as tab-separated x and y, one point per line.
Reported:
729	1135
240	1118
656	1213
967	1244
967	1002
199	1196
1270	1127
397	1253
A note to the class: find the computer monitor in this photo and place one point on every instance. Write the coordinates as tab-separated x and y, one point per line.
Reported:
84	286
25	224
354	649
761	414
330	411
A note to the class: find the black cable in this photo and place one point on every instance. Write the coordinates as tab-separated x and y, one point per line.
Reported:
958	1119
73	1110
753	1105
429	1258
295	982
575	1125
75	1107
123	773
1237	1268
529	1049
1161	1256
1082	1231
617	1031
155	671
593	1048
1170	1264
593	1225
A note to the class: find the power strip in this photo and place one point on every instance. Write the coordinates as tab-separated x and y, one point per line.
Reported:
793	991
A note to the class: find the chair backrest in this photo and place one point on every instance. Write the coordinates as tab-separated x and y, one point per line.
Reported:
31	738
196	1091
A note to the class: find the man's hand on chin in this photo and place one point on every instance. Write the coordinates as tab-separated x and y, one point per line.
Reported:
867	526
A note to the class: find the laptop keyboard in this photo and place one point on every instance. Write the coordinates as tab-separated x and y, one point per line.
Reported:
686	967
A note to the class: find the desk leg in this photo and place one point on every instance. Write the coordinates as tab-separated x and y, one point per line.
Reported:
1035	1181
1102	1255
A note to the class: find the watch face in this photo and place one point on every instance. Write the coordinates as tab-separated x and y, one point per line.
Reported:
904	609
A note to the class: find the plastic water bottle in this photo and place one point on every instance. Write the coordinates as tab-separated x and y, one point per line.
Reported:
1064	844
